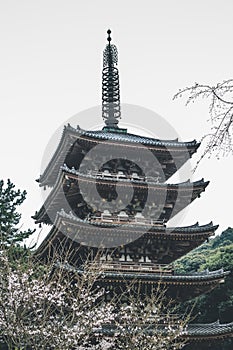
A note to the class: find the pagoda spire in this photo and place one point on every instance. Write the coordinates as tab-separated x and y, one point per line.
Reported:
111	111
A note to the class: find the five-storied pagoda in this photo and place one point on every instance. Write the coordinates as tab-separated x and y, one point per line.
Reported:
109	196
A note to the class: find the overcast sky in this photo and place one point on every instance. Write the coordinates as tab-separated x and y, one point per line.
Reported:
50	68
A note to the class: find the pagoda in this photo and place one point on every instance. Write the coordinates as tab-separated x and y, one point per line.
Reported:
109	196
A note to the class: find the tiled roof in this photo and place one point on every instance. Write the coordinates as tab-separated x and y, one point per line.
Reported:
190	277
209	329
127	137
194	277
193	332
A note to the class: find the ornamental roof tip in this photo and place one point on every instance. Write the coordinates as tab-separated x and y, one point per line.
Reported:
70	127
111	108
198	182
197	225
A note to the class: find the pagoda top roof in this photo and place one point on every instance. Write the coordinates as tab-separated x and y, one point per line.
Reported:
71	135
121	135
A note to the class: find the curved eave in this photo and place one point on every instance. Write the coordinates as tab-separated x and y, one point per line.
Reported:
122	138
208	331
194	279
58	185
196	187
156	229
70	135
194	232
193	332
178	287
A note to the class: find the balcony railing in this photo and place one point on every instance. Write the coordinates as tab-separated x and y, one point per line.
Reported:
106	217
120	175
136	267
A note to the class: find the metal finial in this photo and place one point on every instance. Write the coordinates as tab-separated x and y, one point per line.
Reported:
110	52
109	37
110	85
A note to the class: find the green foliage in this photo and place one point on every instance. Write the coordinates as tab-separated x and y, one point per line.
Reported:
216	254
218	304
10	200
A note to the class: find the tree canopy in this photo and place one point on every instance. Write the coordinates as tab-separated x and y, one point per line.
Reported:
10	200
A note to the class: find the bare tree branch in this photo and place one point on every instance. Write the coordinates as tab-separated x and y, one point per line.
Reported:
220	138
53	306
